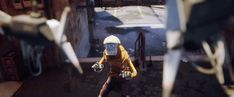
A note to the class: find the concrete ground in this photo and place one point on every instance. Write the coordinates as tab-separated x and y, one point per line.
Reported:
126	23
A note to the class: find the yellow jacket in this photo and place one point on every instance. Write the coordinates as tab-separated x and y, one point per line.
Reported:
119	62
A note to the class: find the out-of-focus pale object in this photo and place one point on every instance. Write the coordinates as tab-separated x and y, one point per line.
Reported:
39	32
191	23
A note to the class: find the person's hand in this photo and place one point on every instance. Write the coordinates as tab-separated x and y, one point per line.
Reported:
97	67
126	75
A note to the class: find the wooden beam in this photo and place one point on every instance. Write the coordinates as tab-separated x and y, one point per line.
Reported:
147	58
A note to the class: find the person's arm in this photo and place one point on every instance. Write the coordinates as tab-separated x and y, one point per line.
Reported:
102	60
132	68
129	62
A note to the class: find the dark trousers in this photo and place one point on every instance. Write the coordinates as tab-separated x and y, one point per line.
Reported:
114	83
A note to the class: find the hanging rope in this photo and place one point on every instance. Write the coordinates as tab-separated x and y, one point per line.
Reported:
34	60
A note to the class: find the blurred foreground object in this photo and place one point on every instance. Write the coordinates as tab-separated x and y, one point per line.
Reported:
36	33
194	23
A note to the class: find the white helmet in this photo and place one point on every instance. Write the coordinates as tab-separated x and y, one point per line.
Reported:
111	44
111	39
